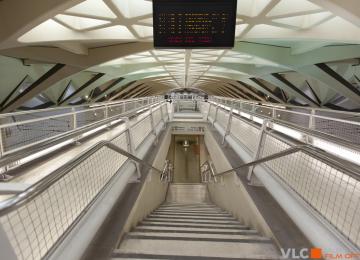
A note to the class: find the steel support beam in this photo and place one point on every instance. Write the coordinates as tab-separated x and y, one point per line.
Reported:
265	89
84	86
291	86
56	73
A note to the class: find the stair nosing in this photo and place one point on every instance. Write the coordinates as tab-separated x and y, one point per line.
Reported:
179	257
207	239
240	227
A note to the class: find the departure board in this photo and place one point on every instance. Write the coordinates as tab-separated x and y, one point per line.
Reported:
194	23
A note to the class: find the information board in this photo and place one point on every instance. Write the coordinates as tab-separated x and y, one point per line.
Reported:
194	23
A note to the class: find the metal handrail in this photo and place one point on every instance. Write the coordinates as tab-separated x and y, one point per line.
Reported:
91	105
274	156
221	102
74	119
275	105
304	130
209	169
40	186
167	172
9	158
350	169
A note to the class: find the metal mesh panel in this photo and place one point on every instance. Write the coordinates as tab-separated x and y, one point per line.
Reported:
129	106
88	117
141	130
122	142
247	107
346	130
165	111
293	118
157	116
204	107
247	134
212	111
27	133
116	110
345	125
264	111
29	115
222	117
331	192
36	225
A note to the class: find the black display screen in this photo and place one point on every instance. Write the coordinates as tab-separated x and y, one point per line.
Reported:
194	23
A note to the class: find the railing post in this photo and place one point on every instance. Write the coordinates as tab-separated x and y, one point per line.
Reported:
106	114
7	250
74	115
208	113
152	122
228	125
2	150
124	107
311	119
252	112
216	113
162	114
308	138
131	146
74	118
258	153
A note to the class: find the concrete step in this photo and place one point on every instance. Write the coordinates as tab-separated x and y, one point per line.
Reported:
188	204
179	207
183	220
182	229
132	256
193	216
191	211
172	234
194	225
187	193
240	249
204	230
185	211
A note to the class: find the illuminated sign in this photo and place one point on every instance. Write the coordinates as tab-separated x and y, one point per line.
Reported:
194	23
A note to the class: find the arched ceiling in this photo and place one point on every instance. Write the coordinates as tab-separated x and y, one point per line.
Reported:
288	51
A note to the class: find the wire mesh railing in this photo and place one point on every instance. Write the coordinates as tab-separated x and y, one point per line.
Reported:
340	124
36	220
21	130
328	185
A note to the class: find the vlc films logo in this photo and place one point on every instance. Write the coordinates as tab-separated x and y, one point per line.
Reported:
316	253
305	253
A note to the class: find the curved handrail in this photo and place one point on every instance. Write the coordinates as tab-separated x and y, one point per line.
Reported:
9	158
304	130
315	152
21	198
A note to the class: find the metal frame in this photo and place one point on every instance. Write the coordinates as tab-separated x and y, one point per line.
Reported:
64	112
311	114
22	197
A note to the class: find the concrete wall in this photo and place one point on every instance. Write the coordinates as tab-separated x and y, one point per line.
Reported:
230	194
153	192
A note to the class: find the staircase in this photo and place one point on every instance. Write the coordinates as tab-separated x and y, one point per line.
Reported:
183	229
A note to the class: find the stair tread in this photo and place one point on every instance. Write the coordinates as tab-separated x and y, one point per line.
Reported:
132	256
198	229
197	225
197	235
195	217
181	220
197	248
188	230
187	211
200	224
191	217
